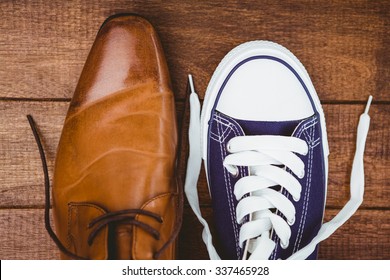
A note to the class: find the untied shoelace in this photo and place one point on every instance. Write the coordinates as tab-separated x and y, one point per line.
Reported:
98	223
262	154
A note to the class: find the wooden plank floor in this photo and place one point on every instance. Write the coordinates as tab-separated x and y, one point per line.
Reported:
343	44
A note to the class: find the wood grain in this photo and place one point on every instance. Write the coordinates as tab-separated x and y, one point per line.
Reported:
22	178
23	236
362	237
342	121
21	173
343	44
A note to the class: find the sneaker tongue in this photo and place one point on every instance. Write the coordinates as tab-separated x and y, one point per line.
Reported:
283	128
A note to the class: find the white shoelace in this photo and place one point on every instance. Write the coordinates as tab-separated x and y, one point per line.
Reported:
260	154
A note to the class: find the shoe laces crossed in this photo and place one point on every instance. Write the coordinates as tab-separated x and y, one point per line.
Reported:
267	157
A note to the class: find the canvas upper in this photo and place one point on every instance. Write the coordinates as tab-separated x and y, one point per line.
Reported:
262	137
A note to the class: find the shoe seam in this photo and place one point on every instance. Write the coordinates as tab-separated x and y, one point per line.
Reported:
228	191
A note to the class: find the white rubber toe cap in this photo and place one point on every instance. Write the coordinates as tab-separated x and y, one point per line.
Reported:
262	89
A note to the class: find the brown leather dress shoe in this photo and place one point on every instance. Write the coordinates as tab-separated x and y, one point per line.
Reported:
115	193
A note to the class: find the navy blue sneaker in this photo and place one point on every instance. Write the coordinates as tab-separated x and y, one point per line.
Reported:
262	137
